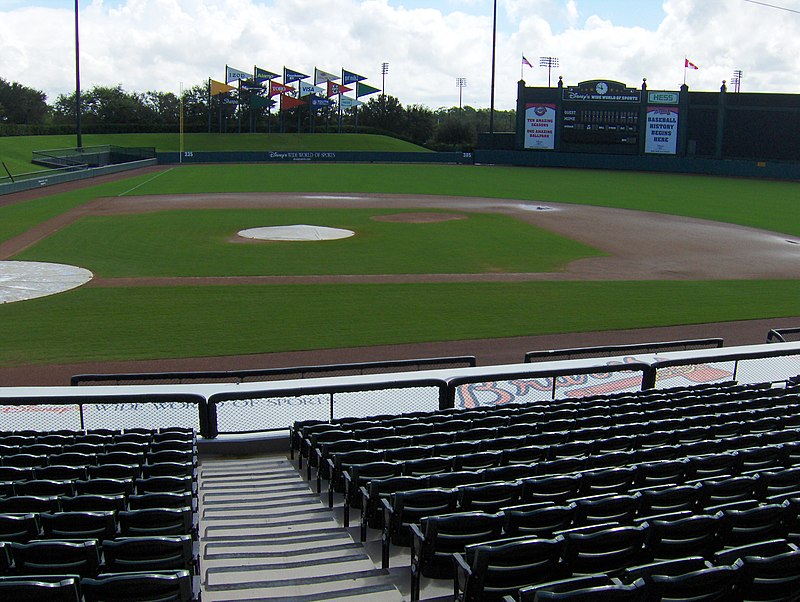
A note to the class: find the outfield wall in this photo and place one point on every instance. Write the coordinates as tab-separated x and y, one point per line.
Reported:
311	156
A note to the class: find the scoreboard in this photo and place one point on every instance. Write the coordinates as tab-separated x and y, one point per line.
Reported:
599	126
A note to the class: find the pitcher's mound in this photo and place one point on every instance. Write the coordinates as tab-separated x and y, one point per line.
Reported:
296	232
22	280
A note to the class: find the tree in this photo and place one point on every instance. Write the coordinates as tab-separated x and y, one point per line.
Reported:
22	105
383	112
454	132
419	124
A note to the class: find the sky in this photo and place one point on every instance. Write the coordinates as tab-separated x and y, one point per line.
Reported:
164	45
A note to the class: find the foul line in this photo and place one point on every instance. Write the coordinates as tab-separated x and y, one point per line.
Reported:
161	173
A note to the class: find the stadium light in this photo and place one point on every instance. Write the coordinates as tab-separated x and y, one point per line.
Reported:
549	62
384	71
494	52
77	81
736	80
461	83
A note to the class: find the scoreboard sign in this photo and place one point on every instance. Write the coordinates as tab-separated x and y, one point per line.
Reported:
662	130
540	126
601	112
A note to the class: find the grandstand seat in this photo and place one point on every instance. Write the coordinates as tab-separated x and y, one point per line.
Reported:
776	483
134	436
92	502
15	473
434	438
411	452
502	442
488	497
24	460
71	458
162	553
20	528
775	577
44	487
573	449
449	480
164	485
319	454
668	499
678	566
428	466
391	442
477	435
477	461
161	500
103	486
97	525
772	547
726	491
620	509
616	459
606	550
175	586
562	466
555	489
46	557
358	475
60	473
120	457
114	471
587	587
170	455
761	523
60	589
373	494
712	466
29	503
759	459
404	508
607	481
333	467
455	448
713	583
157	521
437	538
511	472
524	455
696	535
488	571
540	520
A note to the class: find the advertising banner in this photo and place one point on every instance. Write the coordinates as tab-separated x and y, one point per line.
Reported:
661	136
540	126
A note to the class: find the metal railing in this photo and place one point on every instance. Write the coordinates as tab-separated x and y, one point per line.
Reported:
778	335
608	350
265	374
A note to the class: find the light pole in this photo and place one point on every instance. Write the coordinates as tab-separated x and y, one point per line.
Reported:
461	83
549	62
736	80
384	71
494	49
77	80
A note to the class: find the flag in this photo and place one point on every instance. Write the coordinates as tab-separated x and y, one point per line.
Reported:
364	90
323	76
259	102
219	87
250	84
526	62
290	76
689	64
349	103
232	74
348	77
288	102
261	75
305	89
318	102
277	88
335	89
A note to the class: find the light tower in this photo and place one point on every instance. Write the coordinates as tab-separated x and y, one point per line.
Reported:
461	83
549	62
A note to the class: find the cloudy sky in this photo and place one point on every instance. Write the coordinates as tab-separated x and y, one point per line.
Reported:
163	44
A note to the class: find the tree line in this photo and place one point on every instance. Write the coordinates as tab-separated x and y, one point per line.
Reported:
111	109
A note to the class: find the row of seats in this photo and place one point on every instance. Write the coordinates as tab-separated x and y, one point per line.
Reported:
21	437
175	586
172	467
546	412
91	557
102	524
12	459
499	571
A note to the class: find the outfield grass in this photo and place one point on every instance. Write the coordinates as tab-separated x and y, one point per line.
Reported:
16	151
147	323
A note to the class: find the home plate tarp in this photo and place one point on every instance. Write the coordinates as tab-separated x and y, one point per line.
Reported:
297	232
22	280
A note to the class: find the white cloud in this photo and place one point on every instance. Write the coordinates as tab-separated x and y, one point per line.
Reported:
158	44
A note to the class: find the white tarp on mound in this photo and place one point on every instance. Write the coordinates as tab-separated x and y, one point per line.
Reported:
21	280
296	232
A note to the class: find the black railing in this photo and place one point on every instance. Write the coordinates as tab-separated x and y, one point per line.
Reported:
265	374
610	350
778	335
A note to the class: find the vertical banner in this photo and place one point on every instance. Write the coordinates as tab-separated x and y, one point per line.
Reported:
540	126
661	136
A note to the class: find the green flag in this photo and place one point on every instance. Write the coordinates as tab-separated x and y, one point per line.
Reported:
259	102
364	89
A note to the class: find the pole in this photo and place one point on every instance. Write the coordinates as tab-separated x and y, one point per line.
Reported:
77	81
180	104
494	52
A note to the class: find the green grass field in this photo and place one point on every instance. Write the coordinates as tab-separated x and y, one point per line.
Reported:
94	323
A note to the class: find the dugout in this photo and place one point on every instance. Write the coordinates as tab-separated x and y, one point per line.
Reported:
606	117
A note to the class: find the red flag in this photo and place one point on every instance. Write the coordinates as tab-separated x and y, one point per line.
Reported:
276	88
334	89
287	102
689	64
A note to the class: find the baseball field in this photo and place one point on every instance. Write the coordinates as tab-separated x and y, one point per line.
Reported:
441	253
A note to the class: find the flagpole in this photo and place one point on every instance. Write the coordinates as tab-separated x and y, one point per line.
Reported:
180	159
684	70
77	81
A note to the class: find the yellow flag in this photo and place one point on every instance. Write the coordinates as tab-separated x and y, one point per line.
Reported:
219	87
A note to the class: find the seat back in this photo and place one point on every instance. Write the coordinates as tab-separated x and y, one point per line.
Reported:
488	497
606	550
540	521
696	535
79	525
173	586
713	583
57	558
65	589
127	554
